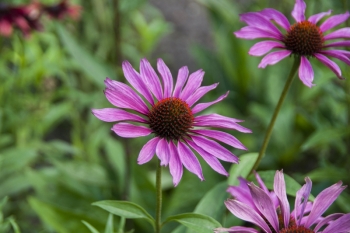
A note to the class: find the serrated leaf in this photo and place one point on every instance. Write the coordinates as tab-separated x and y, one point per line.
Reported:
246	163
125	209
91	228
195	222
292	186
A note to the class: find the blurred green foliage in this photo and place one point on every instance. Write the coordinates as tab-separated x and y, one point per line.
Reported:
56	158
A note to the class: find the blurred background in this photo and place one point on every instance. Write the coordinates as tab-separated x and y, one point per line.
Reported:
56	158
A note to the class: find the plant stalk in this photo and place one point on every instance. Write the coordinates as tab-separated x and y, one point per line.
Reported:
159	197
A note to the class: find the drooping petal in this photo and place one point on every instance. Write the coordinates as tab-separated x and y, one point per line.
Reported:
163	152
301	199
338	44
199	93
243	211
214	148
338	34
323	201
298	12
242	193
274	57
333	21
167	78
276	16
122	96
175	165
342	224
221	136
216	120
306	73
201	106
330	64
189	160
236	229
135	80
265	205
127	130
251	33
263	47
193	82
181	79
327	220
317	17
337	54
279	186
148	150
261	182
210	159
255	19
150	78
114	114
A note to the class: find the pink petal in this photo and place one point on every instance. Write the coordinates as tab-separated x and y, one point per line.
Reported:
210	159
150	78
338	44
242	193
189	160
317	17
200	107
301	199
148	150
236	229
127	130
251	33
274	57
122	96
261	182
330	64
306	73
5	28
200	92
277	16
298	12
333	21
135	80
215	149
263	47
216	120
338	34
323	201
246	213
257	20
327	220
339	54
167	78
221	136
279	186
193	82
163	152
342	224
114	114
175	165
181	79
265	205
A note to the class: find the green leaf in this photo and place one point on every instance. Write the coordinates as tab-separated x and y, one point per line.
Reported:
93	68
292	186
91	228
195	222
109	224
125	209
246	163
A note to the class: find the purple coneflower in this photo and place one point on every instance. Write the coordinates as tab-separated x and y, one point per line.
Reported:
62	9
169	113
304	39
271	220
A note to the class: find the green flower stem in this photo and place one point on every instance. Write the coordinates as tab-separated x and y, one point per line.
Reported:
275	113
159	197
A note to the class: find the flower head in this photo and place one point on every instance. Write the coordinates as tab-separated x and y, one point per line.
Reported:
21	17
170	114
305	218
61	9
304	39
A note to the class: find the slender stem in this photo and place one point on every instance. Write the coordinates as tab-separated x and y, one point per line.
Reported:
275	113
159	197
